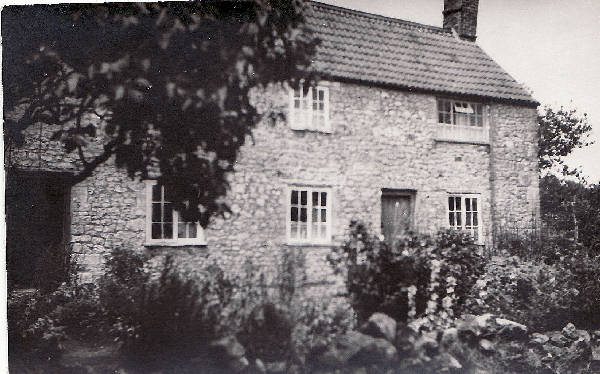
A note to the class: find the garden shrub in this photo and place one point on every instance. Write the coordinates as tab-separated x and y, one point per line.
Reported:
164	319
32	329
544	296
318	322
267	333
419	276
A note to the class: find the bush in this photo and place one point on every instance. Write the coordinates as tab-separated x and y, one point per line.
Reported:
166	319
32	329
543	295
319	322
420	276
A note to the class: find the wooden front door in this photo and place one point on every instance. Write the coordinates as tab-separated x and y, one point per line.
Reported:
396	214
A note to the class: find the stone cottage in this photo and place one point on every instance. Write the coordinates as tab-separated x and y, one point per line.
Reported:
411	127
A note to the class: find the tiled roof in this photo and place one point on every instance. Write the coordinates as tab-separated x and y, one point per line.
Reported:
369	48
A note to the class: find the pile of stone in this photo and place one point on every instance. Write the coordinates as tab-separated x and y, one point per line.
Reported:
477	345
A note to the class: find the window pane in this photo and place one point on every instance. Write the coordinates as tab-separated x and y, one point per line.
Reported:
315	105
303	233
451	219
156	212
168	213
294	197
315	215
315	230
323	215
297	103
451	203
315	93
468	203
474	204
458	219
468	219
303	195
457	202
315	199
475	221
294	214
181	232
323	231
168	230
156	234
321	95
323	198
156	193
303	214
193	230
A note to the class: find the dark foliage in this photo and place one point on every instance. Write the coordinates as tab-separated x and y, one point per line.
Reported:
162	87
164	320
572	209
378	275
267	333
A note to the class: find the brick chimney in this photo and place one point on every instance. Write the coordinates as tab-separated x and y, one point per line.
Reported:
461	15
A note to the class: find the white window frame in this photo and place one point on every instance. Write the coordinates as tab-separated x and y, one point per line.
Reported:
175	241
462	107
328	214
463	211
303	119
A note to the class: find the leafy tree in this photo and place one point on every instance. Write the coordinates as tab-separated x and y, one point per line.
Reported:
560	132
162	87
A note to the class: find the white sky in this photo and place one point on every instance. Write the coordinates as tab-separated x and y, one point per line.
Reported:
552	46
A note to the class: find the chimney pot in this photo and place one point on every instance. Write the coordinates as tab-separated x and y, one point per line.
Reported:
461	15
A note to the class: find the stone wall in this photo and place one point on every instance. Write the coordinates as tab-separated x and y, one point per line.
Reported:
514	166
381	138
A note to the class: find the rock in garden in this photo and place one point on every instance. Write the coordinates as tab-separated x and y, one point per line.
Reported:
378	351
227	348
557	339
380	325
447	362
485	324
537	338
487	346
511	329
344	348
570	331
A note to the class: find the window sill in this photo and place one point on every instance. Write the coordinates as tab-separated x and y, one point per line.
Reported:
312	130
175	244
309	244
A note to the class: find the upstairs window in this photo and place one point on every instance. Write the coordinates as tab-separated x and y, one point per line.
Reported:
309	215
464	214
460	113
164	225
309	108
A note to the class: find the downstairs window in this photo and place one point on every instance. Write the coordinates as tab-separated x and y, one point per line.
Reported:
164	225
309	215
464	214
